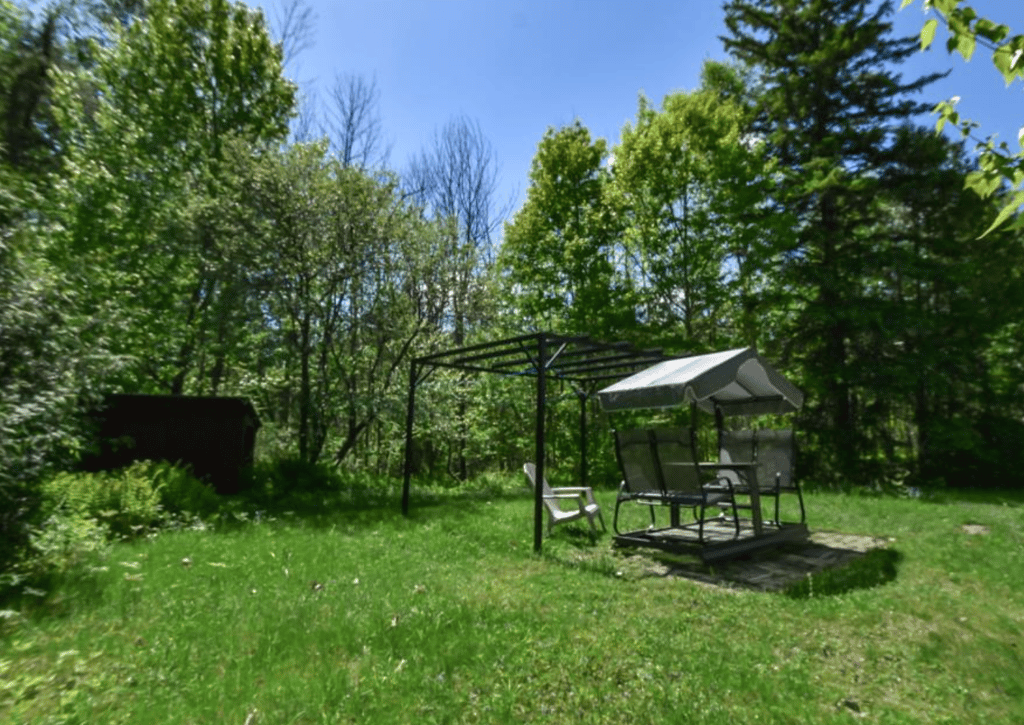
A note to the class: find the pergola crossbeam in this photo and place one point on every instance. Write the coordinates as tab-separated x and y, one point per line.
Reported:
576	359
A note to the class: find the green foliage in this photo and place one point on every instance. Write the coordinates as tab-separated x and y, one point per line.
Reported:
130	500
54	360
830	104
936	298
145	125
341	268
156	236
982	452
67	543
797	211
285	476
81	512
293	485
48	363
126	500
695	192
181	493
558	254
998	165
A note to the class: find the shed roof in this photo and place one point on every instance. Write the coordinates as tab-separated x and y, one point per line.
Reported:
148	406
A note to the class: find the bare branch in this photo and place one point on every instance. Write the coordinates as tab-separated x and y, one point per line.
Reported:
354	125
457	176
305	126
294	23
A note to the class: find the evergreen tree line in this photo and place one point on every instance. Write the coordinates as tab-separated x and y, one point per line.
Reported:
170	222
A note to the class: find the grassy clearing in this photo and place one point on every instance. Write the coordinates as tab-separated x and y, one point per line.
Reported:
449	617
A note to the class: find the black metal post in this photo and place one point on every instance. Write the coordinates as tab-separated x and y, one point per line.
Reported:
583	437
409	415
538	494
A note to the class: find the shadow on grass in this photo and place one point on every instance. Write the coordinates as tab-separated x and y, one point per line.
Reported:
873	569
576	546
576	537
996	497
833	565
362	506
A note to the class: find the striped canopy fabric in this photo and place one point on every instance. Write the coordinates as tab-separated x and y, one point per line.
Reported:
739	381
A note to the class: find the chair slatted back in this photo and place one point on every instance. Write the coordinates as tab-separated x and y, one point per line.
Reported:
531	473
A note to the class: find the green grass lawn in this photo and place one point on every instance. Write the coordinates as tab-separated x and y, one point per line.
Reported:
448	616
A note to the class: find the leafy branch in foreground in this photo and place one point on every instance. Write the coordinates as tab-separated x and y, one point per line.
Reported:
996	161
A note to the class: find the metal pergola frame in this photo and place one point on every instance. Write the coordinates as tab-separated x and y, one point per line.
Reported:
584	363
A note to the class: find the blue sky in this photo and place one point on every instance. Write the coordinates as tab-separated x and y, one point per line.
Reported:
520	66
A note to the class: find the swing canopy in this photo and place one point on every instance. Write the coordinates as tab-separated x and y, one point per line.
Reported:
738	382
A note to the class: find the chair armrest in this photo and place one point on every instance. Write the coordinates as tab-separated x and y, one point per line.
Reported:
720	485
585	492
579	501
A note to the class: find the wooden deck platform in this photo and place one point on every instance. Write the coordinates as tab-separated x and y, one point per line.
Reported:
720	539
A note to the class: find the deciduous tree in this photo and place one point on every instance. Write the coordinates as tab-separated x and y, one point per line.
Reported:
558	254
998	164
694	194
145	126
335	258
353	122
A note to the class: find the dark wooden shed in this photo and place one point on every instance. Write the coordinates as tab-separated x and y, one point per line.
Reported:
215	436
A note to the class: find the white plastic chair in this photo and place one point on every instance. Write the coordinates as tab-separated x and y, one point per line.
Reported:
581	496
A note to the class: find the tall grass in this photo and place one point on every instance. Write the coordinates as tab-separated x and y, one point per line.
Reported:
359	615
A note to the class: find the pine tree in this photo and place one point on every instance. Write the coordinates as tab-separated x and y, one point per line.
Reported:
829	106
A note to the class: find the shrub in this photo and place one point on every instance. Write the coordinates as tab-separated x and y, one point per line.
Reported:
131	498
19	507
125	500
294	485
65	543
287	478
180	492
81	512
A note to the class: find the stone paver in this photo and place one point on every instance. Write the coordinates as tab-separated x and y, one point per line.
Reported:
769	570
